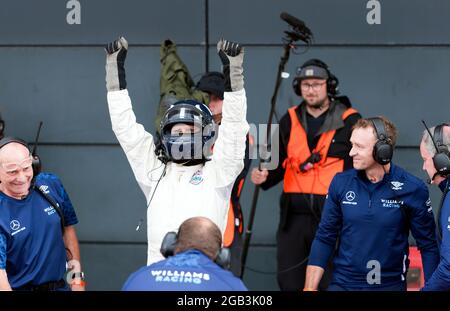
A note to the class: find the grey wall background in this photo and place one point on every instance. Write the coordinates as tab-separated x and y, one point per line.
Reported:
54	72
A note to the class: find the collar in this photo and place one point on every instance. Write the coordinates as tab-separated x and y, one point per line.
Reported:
388	176
185	168
445	184
333	116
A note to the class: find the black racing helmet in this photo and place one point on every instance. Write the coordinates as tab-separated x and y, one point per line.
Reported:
187	147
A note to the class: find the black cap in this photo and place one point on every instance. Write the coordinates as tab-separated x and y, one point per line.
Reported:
212	82
312	71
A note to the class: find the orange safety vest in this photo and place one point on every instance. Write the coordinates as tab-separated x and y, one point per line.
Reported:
228	237
317	179
233	219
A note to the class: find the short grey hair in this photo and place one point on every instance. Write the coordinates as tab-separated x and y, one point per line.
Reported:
428	142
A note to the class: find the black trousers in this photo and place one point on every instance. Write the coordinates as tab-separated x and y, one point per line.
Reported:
295	235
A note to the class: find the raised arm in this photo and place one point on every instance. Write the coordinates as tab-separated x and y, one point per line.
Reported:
229	149
137	143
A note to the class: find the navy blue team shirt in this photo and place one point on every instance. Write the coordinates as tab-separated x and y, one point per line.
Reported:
440	280
187	271
372	222
32	250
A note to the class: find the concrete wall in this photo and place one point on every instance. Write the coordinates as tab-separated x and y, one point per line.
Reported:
54	72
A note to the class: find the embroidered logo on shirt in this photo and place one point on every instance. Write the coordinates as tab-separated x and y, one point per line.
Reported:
49	210
349	197
197	178
15	227
397	185
14	224
44	188
391	203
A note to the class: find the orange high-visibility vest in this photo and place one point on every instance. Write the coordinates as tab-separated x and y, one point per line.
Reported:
235	220
228	236
317	179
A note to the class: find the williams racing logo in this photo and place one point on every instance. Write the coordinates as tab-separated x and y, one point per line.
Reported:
350	197
391	203
16	227
197	178
179	276
49	210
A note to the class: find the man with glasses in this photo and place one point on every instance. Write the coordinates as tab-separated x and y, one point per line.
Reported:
37	234
314	146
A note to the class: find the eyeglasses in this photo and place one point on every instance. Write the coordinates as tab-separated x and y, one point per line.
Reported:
314	86
13	168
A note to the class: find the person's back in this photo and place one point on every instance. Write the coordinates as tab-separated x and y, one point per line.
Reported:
196	265
190	270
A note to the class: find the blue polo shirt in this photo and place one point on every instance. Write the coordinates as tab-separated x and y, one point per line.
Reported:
32	250
187	271
373	228
440	280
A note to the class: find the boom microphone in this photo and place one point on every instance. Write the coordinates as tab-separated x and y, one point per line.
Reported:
291	20
299	29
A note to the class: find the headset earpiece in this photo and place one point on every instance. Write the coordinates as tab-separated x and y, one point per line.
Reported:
332	85
441	159
383	149
223	257
168	244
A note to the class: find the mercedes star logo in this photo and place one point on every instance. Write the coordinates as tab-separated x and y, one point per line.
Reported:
350	196
14	224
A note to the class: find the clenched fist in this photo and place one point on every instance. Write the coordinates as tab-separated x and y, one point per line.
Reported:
116	53
232	56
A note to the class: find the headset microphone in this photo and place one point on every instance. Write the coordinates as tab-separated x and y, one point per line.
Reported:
37	164
431	136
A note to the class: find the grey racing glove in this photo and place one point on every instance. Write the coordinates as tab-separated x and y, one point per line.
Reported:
232	56
116	52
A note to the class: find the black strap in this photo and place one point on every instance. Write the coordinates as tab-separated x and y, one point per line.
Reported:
55	206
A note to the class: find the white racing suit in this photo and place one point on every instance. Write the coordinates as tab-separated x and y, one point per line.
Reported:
184	191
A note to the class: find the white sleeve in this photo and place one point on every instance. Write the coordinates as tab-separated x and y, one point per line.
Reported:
135	141
229	149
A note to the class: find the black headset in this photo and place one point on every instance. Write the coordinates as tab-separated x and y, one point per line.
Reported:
223	257
332	81
441	159
36	164
383	149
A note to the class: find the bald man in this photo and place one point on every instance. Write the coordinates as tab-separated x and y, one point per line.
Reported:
193	266
36	225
